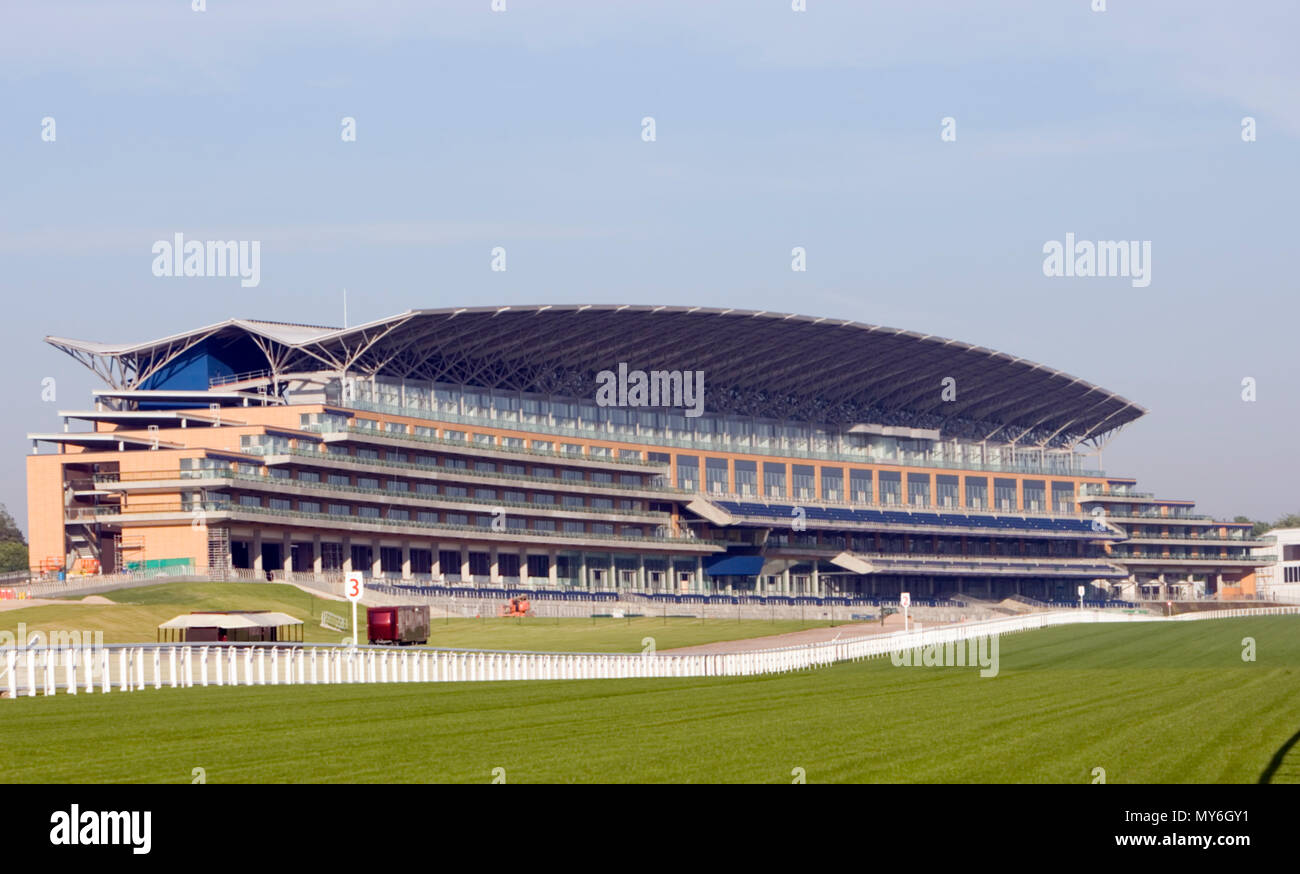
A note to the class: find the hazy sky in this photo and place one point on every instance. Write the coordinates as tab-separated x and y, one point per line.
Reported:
774	129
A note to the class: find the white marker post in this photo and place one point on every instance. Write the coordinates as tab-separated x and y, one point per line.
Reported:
355	589
905	599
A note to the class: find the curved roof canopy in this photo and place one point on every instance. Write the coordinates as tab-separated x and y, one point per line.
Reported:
770	365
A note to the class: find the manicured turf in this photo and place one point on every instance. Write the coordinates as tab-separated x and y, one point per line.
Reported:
136	613
1146	702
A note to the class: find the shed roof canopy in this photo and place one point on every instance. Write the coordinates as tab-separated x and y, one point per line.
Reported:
764	364
230	620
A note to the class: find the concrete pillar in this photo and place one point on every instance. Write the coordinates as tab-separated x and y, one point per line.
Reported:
316	561
347	554
464	562
257	552
785	581
640	572
436	568
553	574
699	573
286	555
494	569
376	565
523	568
583	581
406	559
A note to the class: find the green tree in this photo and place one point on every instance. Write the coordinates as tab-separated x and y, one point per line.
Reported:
1290	520
13	556
9	531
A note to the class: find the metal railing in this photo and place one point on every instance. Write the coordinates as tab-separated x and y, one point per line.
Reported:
45	670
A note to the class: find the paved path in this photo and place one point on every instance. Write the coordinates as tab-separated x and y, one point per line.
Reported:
19	603
893	623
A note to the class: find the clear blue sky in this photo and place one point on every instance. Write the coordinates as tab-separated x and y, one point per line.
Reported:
775	129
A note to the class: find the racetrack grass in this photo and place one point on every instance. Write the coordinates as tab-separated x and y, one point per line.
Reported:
135	615
1147	702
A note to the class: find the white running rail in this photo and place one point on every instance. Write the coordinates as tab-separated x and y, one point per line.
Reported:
46	670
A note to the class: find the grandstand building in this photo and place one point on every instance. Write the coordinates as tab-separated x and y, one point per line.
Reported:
474	446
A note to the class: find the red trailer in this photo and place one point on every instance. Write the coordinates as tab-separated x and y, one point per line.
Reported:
400	626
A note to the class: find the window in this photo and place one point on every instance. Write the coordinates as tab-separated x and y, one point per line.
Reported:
1035	494
250	501
891	487
832	484
309	507
283	504
399	515
746	477
801	479
308	476
340	510
860	486
918	490
773	480
368	512
715	476
688	472
1004	494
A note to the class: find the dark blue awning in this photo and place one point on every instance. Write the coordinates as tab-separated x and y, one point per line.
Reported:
733	565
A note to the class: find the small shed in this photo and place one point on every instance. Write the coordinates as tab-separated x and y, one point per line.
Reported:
232	626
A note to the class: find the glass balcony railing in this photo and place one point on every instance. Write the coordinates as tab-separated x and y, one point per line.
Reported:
723	442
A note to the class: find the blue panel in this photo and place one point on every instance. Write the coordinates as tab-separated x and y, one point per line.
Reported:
195	369
733	565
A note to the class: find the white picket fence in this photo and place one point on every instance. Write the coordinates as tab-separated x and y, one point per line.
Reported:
29	671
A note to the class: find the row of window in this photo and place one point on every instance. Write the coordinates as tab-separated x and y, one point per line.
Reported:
436	517
271	445
331	422
540	499
862	485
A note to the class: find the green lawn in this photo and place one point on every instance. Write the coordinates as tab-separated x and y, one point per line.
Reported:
1146	702
136	614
